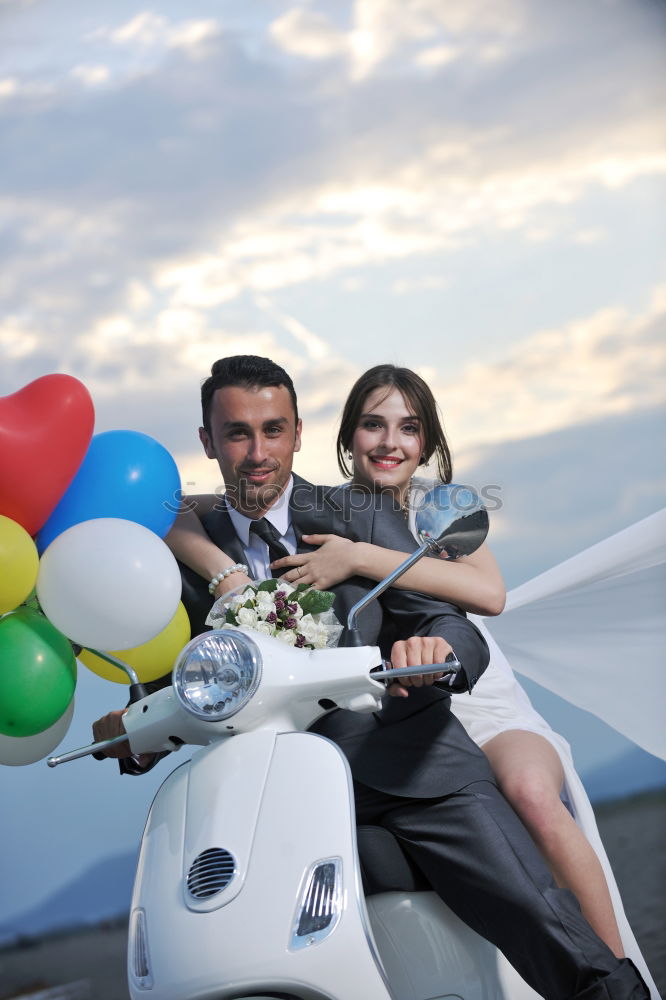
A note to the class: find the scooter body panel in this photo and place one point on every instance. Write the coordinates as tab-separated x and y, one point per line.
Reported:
428	952
292	807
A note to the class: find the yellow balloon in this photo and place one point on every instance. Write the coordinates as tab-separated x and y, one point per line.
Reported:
19	564
152	659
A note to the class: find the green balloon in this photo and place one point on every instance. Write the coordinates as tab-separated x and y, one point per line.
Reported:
37	673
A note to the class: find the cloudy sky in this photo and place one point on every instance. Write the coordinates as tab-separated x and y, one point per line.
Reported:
474	188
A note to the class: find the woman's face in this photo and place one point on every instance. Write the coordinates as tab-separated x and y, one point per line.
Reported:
387	443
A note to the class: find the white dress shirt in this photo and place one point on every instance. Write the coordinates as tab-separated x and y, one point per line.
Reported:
255	548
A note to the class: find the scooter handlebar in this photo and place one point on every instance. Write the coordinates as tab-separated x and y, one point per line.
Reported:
93	748
450	668
389	675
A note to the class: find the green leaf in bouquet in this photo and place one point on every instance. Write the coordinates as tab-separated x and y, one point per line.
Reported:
316	601
300	588
269	585
230	617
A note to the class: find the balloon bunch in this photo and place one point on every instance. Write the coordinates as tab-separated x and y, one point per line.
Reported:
99	508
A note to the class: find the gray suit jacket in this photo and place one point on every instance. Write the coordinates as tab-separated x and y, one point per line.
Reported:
415	746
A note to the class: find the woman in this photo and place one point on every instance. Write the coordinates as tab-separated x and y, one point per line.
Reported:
389	427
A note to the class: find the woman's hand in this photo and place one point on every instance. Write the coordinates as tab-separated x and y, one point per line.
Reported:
333	562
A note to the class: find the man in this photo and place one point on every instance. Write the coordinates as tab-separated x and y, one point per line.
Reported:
415	770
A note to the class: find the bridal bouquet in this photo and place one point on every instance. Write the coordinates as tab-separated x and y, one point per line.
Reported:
300	616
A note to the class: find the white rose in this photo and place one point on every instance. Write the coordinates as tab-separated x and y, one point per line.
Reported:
319	633
287	635
236	602
247	616
319	641
265	604
308	626
264	628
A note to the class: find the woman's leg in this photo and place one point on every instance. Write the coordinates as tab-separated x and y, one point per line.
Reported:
529	773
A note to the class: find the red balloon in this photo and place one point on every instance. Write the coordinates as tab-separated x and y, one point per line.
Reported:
45	430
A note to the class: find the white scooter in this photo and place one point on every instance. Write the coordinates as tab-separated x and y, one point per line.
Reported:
249	884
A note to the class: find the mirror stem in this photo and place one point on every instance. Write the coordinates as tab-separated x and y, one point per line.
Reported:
352	636
137	690
115	662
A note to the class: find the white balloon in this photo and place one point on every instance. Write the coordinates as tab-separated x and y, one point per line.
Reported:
108	583
18	750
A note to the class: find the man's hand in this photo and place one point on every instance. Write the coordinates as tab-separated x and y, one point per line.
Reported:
107	728
415	652
110	726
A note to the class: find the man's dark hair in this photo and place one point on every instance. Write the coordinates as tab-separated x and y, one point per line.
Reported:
246	371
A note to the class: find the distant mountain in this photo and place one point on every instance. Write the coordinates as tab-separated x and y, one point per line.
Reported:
631	773
102	892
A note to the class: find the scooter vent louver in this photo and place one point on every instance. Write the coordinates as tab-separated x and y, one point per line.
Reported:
210	872
320	904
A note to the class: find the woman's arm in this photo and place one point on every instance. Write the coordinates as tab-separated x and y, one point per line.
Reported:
192	546
474	583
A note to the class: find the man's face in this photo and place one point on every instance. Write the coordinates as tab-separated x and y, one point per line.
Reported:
253	435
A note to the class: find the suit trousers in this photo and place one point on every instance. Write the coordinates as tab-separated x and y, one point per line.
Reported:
479	858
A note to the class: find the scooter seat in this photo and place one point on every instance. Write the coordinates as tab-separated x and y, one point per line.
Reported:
384	865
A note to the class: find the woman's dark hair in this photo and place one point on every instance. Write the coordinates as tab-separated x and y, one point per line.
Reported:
419	397
248	372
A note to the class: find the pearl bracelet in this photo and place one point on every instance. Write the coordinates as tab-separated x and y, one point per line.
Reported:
236	568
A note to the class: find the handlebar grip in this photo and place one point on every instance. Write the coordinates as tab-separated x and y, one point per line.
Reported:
394	673
92	750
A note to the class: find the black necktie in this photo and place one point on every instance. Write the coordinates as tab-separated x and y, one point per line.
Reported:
269	534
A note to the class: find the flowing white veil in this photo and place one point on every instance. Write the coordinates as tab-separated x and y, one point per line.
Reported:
593	630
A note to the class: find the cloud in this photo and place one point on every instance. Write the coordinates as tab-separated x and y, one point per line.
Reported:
16	342
424	283
235	171
146	28
316	349
191	206
149	30
449	195
91	76
598	367
35	93
308	33
425	33
8	86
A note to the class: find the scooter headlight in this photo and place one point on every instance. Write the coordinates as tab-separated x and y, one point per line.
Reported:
217	673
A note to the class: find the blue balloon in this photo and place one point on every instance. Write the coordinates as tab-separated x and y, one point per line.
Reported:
124	474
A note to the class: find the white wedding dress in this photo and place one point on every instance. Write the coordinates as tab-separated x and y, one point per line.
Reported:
563	630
